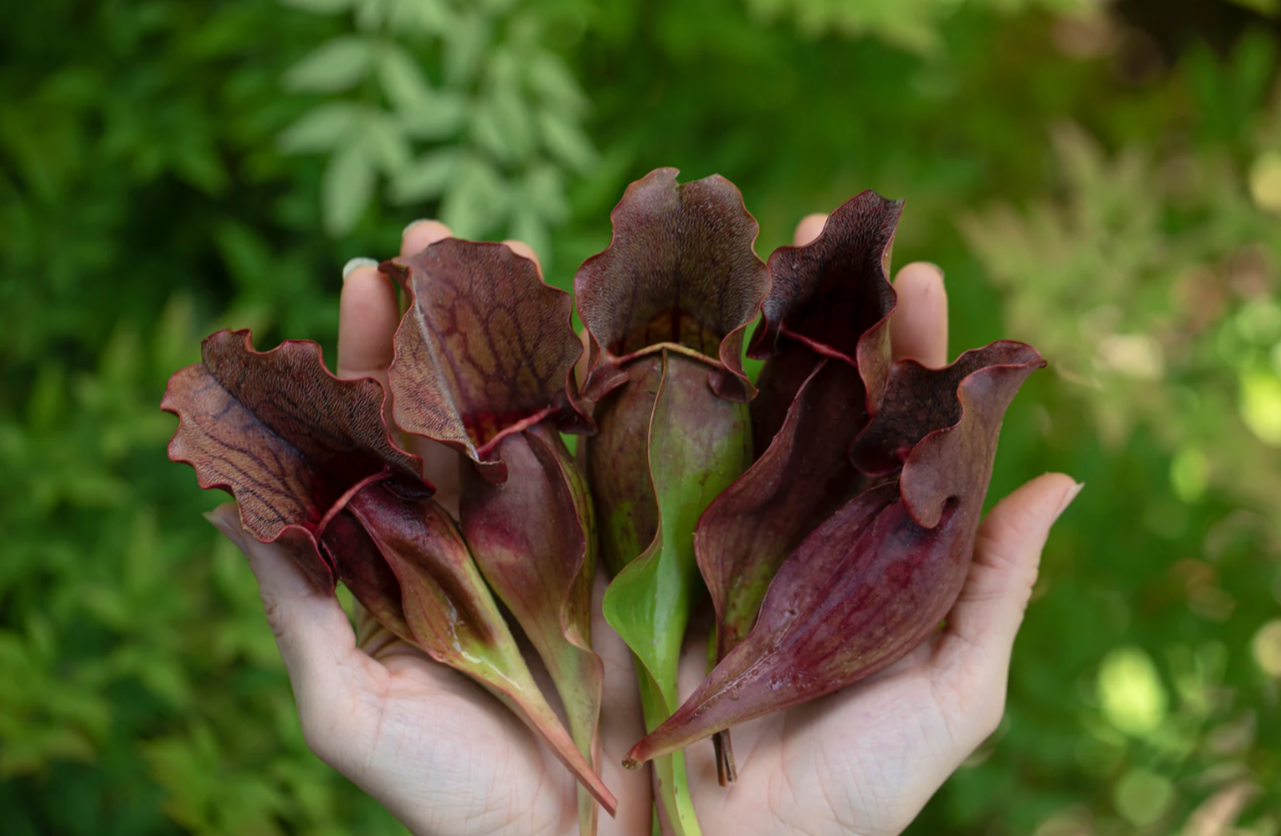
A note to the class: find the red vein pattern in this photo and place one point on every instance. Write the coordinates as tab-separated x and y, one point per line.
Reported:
484	345
680	268
302	451
284	436
484	362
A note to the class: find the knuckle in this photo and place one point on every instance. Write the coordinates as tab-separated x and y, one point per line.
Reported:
1017	524
275	616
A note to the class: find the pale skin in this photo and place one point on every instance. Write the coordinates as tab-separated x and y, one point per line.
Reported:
448	760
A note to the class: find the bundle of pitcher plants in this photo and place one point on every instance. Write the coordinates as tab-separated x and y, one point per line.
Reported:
829	509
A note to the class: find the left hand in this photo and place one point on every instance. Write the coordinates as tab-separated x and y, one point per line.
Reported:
425	741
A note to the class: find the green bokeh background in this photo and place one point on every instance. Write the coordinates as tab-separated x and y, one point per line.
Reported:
1100	179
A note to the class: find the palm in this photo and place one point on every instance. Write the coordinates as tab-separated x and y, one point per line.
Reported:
864	759
411	723
445	757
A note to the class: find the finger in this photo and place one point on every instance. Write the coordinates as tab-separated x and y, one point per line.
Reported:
1007	554
918	326
367	318
375	640
369	311
441	467
420	235
620	699
313	633
584	360
525	251
810	227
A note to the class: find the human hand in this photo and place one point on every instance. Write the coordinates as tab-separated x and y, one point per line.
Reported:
445	758
421	738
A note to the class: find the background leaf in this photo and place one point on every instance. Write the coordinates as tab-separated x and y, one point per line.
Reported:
348	186
426	177
331	67
323	129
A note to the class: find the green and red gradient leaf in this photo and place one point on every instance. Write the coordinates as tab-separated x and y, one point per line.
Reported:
486	348
666	306
696	445
455	620
534	539
484	362
680	271
877	577
801	479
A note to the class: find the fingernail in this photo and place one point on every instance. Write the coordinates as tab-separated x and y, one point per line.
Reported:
355	263
411	225
937	269
220	523
1067	498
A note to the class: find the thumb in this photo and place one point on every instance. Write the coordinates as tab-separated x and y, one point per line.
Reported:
313	633
1007	555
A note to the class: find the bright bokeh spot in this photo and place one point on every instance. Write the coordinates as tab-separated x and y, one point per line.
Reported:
1267	648
1261	405
1130	692
1265	182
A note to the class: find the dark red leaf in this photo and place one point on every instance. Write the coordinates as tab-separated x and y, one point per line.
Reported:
831	296
877	577
826	314
680	271
484	362
800	480
308	457
909	414
486	349
363	570
284	436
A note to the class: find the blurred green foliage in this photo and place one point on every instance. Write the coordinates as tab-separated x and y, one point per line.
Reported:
169	168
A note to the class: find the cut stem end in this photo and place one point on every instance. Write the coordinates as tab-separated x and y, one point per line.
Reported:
726	771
